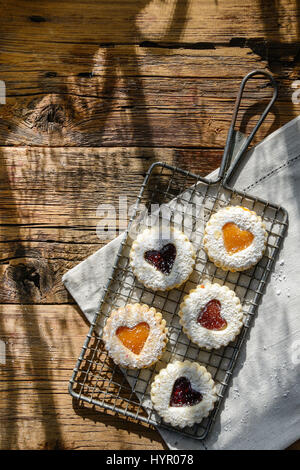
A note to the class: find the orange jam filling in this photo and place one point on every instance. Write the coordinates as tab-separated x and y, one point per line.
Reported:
235	239
134	338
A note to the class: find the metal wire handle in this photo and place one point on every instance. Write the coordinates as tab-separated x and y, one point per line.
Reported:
223	173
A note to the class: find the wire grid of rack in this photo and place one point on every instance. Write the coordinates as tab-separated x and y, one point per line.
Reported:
96	379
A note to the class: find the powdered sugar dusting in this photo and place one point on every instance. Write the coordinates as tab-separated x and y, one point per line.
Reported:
231	311
200	380
280	280
214	242
130	316
153	239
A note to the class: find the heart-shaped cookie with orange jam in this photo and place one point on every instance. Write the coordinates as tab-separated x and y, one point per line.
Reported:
211	315
135	336
235	238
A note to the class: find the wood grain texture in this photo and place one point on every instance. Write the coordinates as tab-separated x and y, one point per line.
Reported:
35	408
40	241
102	78
119	22
132	95
96	92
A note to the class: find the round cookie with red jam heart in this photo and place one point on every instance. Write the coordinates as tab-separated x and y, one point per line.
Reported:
135	336
211	315
183	393
162	258
235	238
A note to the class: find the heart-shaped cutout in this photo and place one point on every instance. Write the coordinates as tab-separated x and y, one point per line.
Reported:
210	316
163	259
134	338
183	394
235	239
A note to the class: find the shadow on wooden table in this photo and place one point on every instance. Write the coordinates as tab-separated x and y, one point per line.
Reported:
123	423
27	267
27	270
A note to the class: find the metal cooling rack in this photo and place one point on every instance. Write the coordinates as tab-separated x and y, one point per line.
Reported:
190	200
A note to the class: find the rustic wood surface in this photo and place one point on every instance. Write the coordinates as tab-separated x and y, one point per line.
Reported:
96	92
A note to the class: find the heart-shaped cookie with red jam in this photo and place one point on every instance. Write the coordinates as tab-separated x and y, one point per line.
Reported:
211	315
183	393
162	258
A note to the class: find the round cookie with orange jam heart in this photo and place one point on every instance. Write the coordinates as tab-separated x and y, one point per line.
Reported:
211	315
135	336
235	238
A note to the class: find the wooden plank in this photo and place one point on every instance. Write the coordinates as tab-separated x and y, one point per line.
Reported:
86	74
36	182
134	96
36	410
48	208
184	21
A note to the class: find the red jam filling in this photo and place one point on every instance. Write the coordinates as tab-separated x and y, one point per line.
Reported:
163	259
183	393
210	316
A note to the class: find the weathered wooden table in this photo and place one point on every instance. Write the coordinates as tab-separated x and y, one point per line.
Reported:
96	92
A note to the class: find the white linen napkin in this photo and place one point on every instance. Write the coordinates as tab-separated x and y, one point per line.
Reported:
262	406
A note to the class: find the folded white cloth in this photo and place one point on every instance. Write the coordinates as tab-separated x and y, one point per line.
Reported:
262	407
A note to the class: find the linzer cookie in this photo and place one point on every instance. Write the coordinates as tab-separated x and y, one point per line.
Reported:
183	393
160	261
135	336
235	238
211	315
